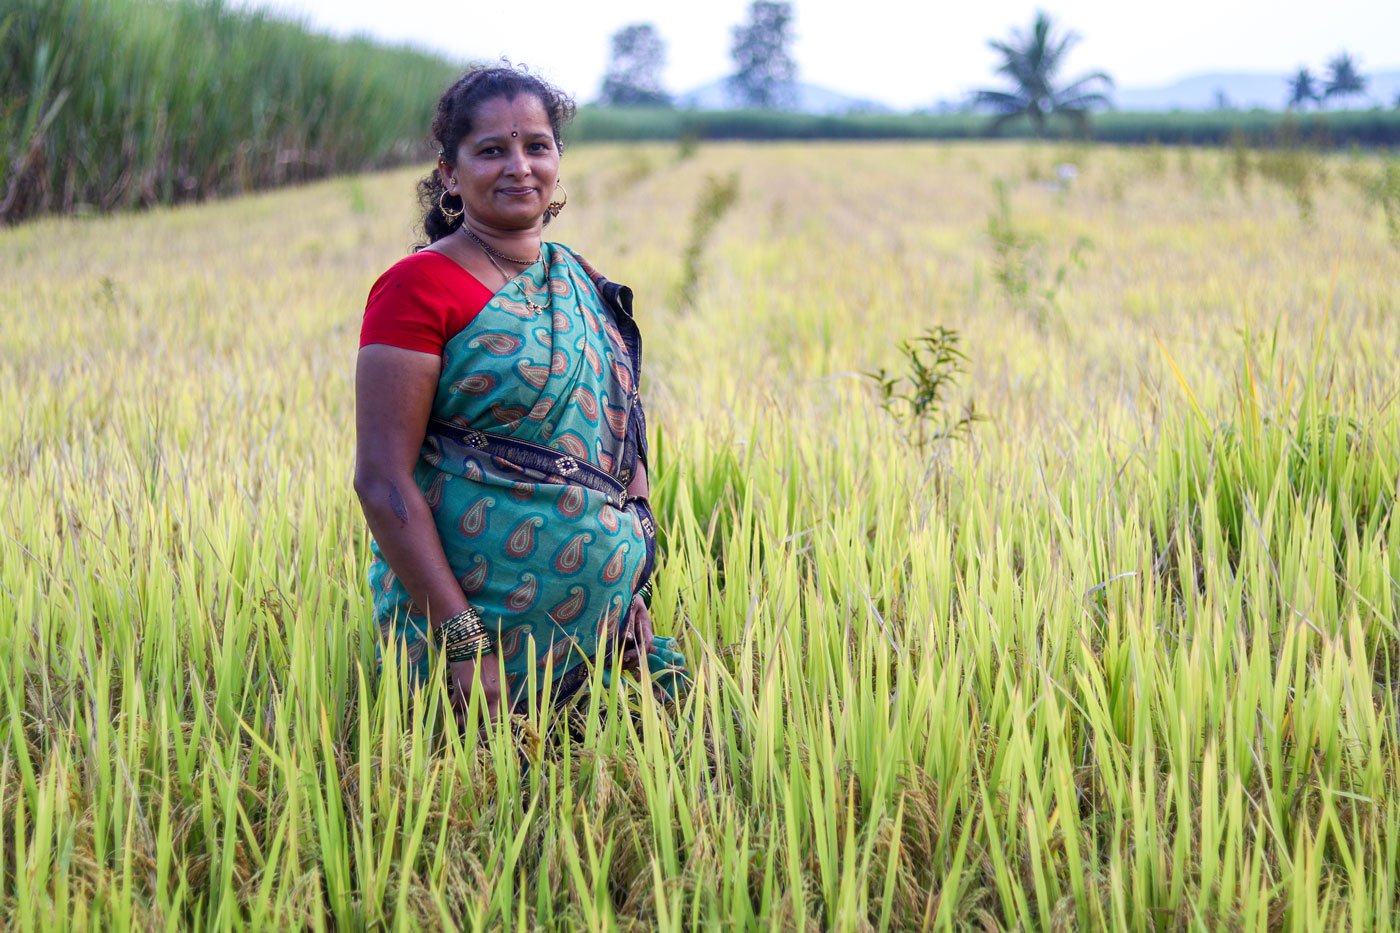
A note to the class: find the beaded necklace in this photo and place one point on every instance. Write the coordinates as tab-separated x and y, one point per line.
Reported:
492	254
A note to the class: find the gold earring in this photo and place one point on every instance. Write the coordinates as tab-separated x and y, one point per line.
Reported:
556	206
451	215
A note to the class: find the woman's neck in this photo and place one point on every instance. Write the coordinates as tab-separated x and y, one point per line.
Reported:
512	242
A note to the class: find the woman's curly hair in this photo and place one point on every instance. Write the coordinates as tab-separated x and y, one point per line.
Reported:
455	111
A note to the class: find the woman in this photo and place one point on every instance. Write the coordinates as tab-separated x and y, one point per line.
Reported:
501	445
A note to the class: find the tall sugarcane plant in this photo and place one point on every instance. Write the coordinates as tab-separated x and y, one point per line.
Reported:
108	104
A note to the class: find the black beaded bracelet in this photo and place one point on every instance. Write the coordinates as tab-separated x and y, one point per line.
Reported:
450	627
463	636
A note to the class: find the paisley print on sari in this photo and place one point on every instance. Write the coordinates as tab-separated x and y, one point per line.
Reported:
572	607
569	560
521	542
474	580
476	384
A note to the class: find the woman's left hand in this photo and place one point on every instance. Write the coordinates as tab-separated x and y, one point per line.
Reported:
639	634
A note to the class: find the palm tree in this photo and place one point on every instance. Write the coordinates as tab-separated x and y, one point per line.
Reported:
1302	87
1032	62
1343	78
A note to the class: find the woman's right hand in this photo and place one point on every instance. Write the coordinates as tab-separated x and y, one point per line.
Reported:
462	675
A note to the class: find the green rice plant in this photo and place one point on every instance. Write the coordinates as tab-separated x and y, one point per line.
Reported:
1127	660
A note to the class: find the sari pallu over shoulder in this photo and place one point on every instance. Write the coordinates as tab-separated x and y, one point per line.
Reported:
546	547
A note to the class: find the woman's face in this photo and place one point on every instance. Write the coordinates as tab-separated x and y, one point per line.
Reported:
507	165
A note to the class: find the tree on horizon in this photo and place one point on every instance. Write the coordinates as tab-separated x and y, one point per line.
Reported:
633	78
764	71
1344	79
1032	61
1302	87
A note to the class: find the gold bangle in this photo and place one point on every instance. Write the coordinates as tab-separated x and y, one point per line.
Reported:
469	650
463	636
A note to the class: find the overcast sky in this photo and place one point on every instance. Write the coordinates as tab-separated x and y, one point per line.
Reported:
905	53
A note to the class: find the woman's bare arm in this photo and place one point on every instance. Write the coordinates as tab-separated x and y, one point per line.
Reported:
394	391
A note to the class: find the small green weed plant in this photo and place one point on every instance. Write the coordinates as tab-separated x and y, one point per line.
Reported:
1294	164
716	198
917	398
1387	194
687	144
1152	159
1020	267
632	170
1241	162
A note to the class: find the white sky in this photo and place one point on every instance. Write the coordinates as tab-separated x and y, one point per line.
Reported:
903	52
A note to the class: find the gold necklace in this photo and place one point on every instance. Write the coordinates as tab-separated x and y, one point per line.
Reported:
491	255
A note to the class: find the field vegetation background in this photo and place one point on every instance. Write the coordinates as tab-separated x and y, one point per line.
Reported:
1122	654
131	103
1258	128
113	104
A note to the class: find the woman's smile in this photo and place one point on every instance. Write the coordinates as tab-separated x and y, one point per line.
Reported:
507	165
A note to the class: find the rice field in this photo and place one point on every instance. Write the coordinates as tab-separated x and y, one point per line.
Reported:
1122	656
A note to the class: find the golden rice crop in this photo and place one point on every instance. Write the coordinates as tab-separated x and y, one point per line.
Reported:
1126	657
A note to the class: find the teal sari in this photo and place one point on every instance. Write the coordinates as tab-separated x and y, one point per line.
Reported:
552	566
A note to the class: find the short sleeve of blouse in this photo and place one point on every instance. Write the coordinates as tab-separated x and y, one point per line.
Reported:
421	303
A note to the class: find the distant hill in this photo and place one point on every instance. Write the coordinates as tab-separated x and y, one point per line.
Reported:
810	99
1246	91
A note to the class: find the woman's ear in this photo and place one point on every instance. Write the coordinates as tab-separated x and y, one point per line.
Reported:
448	175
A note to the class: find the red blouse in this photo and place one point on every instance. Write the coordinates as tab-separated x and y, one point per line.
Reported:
422	302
